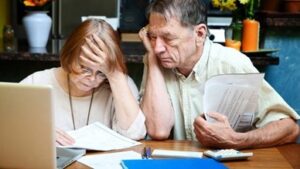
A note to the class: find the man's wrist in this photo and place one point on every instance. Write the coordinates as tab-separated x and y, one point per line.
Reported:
240	140
151	59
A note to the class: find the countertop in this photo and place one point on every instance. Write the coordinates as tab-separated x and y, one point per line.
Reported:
133	52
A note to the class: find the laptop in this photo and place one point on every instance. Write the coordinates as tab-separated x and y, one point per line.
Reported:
27	129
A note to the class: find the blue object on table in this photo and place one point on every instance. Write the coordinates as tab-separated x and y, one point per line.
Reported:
147	153
174	163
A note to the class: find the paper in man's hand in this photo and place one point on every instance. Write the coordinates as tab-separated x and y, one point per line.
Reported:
233	95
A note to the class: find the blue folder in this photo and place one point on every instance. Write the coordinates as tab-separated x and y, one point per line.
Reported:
178	163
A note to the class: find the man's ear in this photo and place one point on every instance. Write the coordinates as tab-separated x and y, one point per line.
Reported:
201	33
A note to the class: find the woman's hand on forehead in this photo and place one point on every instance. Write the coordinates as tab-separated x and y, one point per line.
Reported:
95	54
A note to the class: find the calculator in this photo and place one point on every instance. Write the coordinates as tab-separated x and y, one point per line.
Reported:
227	154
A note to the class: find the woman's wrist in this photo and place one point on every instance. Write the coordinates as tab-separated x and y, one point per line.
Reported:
116	75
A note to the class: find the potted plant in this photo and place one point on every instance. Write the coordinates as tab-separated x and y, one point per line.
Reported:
234	32
242	21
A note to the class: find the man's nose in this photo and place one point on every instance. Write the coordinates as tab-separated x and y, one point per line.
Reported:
159	46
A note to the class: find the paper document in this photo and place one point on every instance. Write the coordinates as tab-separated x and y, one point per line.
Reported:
110	160
97	136
235	96
176	154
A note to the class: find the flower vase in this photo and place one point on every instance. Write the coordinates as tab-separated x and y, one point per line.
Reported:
250	37
237	28
37	26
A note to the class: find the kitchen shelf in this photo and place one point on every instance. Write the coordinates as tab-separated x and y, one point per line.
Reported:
278	19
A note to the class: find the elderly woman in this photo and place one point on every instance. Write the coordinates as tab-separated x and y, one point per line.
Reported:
92	85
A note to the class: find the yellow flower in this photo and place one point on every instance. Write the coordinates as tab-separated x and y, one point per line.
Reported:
32	3
239	8
228	5
244	1
216	3
29	3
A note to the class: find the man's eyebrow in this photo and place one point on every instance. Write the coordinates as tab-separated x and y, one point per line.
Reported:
164	34
168	34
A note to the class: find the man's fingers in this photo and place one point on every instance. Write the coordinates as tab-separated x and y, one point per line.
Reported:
199	122
217	116
143	34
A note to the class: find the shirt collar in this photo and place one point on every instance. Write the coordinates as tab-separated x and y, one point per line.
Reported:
201	65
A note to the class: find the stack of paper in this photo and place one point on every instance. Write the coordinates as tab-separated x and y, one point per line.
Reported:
98	137
109	161
235	96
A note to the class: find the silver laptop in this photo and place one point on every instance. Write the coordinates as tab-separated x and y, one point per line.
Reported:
27	135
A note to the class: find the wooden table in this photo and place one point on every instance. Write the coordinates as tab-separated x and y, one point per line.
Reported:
281	157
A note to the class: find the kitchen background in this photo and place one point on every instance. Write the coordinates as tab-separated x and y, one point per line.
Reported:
284	77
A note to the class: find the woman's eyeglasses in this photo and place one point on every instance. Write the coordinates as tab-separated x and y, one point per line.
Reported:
87	72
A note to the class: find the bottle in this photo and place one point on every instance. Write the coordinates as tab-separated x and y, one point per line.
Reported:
8	38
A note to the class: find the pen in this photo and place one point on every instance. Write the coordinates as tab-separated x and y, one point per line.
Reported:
147	153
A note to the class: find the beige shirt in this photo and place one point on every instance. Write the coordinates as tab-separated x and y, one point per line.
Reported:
186	93
102	109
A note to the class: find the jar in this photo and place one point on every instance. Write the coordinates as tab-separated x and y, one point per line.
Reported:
8	38
292	6
271	5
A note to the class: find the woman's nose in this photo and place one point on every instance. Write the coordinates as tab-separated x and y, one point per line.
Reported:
93	77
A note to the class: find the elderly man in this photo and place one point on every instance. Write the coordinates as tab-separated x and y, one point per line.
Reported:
179	60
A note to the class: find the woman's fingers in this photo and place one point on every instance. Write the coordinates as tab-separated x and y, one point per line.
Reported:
100	43
88	57
63	138
94	51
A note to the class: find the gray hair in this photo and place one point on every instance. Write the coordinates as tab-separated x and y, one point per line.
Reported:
188	12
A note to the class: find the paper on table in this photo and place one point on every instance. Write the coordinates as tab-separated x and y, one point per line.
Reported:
234	95
111	160
176	154
96	136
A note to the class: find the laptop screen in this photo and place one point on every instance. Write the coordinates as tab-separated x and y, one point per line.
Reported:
26	126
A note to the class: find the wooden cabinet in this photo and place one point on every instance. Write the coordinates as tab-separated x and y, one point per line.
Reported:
278	19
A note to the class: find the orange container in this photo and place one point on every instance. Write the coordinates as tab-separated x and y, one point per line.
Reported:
233	44
250	38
